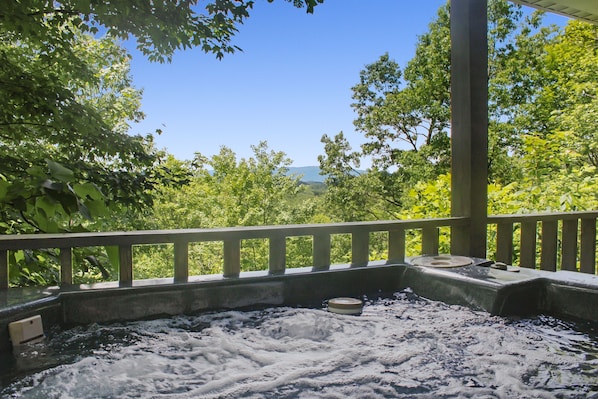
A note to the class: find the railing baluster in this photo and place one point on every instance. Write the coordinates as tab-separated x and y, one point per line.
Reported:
125	254
587	257
277	262
321	251
360	248
430	240
3	269
232	258
181	261
569	245
66	266
527	257
396	246
549	245
504	243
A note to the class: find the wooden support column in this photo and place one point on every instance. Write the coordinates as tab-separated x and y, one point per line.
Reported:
66	266
527	248
125	272
504	243
550	231
278	252
430	240
569	247
396	246
232	257
360	248
321	251
3	270
181	261
469	125
587	255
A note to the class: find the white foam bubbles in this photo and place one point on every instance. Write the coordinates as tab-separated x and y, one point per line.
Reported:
402	347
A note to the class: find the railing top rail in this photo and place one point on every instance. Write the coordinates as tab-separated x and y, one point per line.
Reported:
544	217
72	240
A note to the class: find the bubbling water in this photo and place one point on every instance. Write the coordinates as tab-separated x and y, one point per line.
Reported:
400	347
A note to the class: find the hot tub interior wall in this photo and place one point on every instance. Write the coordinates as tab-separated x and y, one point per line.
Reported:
495	291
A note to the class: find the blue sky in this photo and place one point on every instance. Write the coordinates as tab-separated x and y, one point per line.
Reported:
290	85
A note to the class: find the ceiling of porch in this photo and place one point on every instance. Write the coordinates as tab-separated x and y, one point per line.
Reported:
585	10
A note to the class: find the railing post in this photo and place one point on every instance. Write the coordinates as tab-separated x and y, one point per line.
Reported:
396	246
232	258
549	245
277	258
527	257
587	256
181	261
360	248
321	254
3	269
66	266
430	241
125	272
504	243
569	246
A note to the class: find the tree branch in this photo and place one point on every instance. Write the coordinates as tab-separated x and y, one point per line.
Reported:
31	223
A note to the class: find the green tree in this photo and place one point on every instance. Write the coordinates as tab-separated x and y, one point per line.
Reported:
405	113
66	101
64	148
247	192
225	191
572	60
160	28
351	195
65	104
555	119
66	158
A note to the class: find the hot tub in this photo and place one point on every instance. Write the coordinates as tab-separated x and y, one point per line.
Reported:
486	293
401	346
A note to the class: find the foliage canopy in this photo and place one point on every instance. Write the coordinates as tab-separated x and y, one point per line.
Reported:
541	113
69	164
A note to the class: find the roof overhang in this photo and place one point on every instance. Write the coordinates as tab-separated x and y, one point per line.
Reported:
585	10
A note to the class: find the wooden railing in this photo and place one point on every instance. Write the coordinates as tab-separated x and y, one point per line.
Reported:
576	252
574	249
231	237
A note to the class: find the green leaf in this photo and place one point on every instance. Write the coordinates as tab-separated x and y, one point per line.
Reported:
36	171
98	208
84	210
47	206
113	255
88	190
51	185
60	172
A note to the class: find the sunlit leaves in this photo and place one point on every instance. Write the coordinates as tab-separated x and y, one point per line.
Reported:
543	107
64	114
160	28
351	195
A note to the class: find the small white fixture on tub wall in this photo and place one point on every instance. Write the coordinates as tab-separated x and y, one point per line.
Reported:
26	330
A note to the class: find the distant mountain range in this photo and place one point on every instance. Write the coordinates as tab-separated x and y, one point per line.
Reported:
309	173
